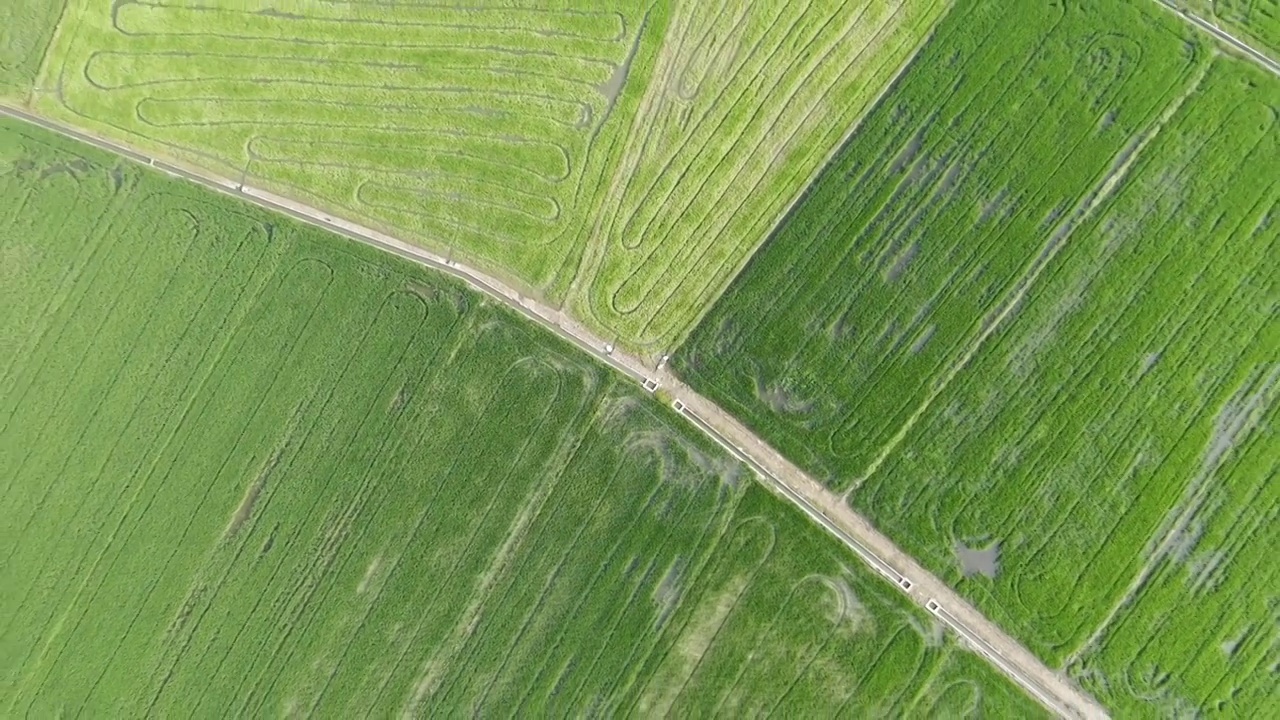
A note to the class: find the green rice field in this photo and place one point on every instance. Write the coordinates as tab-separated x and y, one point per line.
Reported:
1029	313
620	158
1004	275
248	468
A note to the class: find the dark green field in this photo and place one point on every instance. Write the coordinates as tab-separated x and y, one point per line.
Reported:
1030	309
248	468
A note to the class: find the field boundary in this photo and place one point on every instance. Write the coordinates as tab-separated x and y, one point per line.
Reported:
1048	686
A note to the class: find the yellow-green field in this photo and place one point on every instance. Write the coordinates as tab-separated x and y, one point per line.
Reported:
1027	323
623	158
25	29
1002	274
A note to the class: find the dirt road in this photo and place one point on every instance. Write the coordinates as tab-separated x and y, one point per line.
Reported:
1053	689
1256	56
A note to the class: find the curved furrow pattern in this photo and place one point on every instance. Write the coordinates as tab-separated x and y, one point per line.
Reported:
725	135
463	127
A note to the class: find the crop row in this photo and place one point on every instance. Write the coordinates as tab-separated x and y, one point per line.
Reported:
898	258
1072	437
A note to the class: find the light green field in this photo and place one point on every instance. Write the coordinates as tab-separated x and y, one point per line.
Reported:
1031	308
624	158
250	469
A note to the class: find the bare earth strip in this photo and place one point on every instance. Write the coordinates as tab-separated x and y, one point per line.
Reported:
1051	688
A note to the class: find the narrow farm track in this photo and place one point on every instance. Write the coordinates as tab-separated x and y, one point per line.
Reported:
1257	57
823	506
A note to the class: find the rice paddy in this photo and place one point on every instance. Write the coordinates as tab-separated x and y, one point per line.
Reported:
1026	322
24	34
1002	274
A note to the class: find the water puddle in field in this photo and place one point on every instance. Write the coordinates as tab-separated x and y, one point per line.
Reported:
52	169
10	156
781	401
668	592
612	87
984	561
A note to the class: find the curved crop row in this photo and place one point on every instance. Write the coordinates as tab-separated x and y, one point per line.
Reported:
745	103
464	127
623	158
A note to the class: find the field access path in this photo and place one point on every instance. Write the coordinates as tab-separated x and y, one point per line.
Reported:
1260	58
1053	689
